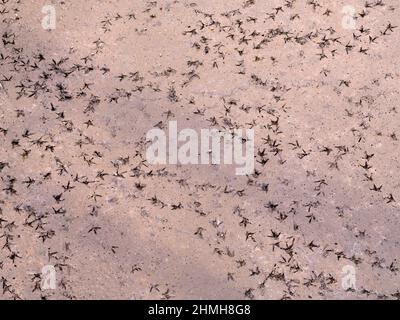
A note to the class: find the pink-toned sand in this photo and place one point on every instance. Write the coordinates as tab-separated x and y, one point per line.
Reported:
77	193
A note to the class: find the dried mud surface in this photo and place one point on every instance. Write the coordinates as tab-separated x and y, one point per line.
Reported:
76	191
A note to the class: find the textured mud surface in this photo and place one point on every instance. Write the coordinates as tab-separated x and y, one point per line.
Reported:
318	219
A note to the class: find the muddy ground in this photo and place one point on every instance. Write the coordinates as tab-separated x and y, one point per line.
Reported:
317	81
